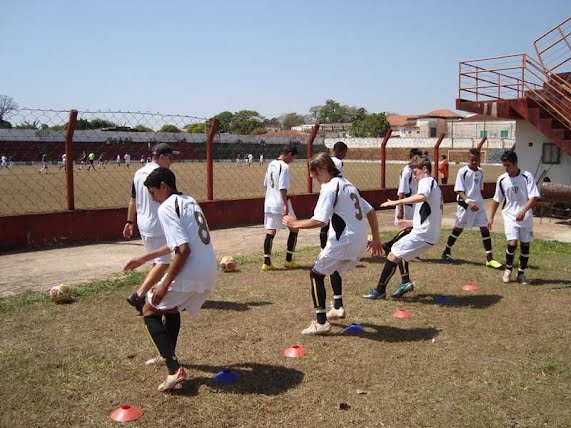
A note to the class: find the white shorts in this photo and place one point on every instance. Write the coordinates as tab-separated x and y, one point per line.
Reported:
153	243
409	247
466	219
521	234
274	221
189	301
327	266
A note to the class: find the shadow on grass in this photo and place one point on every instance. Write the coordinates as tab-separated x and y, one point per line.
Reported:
385	333
474	301
232	306
457	262
555	281
253	378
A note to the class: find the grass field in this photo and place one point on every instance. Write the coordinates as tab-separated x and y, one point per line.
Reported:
498	357
23	190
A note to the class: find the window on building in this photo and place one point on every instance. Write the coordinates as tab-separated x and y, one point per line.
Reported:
504	133
483	134
550	154
432	132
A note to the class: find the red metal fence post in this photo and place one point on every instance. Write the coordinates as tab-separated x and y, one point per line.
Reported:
384	158
436	154
310	141
69	160
210	159
480	144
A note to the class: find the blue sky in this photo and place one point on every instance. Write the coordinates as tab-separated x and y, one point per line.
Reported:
200	58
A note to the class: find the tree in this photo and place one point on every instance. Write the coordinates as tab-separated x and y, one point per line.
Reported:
245	121
169	128
259	131
334	112
143	128
224	121
28	125
101	123
197	128
289	120
374	125
7	105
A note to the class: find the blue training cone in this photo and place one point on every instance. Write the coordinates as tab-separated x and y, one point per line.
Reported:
354	329
225	377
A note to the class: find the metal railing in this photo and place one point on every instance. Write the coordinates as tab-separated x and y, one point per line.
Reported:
553	48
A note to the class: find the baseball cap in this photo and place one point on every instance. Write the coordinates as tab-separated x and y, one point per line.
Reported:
164	149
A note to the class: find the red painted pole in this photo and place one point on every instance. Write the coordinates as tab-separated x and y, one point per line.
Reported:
436	155
310	141
481	143
69	160
384	158
210	159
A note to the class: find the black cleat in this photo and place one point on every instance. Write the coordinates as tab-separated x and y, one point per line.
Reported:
137	302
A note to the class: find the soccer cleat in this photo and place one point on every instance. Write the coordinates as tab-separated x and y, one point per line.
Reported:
137	302
316	329
494	264
173	380
266	267
374	294
447	257
153	361
521	278
507	276
402	289
336	314
290	265
386	248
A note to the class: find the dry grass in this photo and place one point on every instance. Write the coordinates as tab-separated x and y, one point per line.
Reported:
23	190
499	357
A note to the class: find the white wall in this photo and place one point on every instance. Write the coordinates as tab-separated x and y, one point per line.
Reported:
529	148
448	143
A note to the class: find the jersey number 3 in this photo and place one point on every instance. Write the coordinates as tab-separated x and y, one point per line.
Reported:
359	213
203	232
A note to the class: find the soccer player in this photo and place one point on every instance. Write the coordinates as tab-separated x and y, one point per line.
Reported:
426	225
4	163
444	169
91	159
44	164
470	211
261	158
82	160
118	160
339	153
340	205
277	204
101	162
190	278
142	208
127	158
63	161
520	192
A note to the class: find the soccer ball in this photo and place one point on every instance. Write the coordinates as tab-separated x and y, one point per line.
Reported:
227	264
61	294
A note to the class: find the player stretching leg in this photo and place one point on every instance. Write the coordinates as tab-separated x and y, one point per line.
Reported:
276	205
189	279
425	231
340	204
470	211
520	192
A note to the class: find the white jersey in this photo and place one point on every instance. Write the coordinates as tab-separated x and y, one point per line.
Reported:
147	217
408	186
183	221
276	179
341	205
471	183
338	163
427	219
127	158
516	191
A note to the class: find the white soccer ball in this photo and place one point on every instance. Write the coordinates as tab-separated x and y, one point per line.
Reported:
60	294
227	264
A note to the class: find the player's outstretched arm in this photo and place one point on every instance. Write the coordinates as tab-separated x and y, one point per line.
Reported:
311	223
414	199
139	261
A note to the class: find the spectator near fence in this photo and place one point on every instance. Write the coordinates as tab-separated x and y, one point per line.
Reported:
444	169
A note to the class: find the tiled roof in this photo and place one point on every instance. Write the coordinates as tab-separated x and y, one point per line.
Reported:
397	121
444	113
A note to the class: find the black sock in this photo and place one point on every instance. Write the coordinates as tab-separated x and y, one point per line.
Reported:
323	235
291	241
487	241
454	235
524	256
386	275
268	249
318	295
388	245
172	324
337	286
510	251
160	336
404	272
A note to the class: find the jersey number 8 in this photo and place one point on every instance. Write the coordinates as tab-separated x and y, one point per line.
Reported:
203	232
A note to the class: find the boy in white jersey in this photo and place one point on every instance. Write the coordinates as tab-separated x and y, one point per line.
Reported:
340	150
426	225
277	204
470	211
191	276
340	204
520	192
63	161
144	210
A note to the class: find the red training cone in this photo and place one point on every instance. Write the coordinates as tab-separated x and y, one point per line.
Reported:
470	287
294	351
401	313
126	413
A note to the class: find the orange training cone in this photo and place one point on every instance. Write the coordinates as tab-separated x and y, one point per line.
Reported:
294	351
126	413
401	313
470	287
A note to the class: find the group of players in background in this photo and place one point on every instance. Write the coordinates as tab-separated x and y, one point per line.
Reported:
172	223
